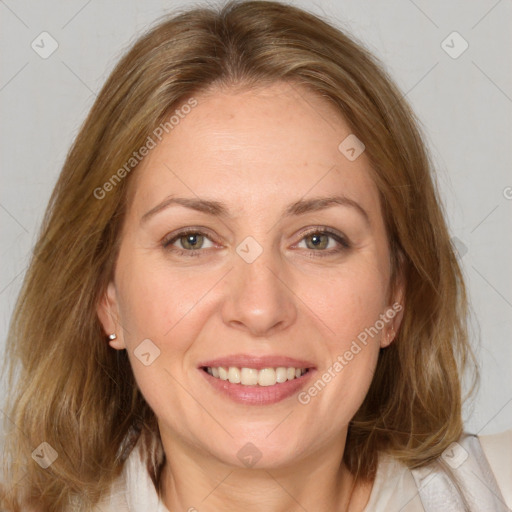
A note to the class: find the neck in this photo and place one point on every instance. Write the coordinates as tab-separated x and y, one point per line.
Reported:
194	481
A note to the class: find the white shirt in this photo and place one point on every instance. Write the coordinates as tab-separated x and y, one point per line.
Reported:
394	488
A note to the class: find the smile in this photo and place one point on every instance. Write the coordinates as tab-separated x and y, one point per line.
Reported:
254	377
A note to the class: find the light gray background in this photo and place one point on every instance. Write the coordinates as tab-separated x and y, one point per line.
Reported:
464	103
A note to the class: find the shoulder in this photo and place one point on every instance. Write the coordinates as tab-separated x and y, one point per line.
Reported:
134	490
394	488
498	452
475	470
116	500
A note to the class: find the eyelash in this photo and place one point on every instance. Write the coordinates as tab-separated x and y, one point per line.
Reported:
344	244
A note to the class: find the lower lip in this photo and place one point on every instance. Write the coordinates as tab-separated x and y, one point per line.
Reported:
258	395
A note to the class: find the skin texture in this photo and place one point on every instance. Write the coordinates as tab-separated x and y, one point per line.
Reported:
256	151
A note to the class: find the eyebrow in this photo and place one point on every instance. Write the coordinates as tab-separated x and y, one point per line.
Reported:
218	209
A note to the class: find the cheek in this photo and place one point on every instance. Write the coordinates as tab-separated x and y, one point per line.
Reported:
342	384
164	306
351	304
348	302
155	301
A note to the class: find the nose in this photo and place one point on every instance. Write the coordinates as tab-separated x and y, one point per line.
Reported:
259	297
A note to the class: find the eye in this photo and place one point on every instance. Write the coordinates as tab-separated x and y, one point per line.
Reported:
319	239
190	240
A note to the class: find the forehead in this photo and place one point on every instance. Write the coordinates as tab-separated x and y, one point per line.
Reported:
255	149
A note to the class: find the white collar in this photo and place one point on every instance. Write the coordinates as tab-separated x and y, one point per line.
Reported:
140	492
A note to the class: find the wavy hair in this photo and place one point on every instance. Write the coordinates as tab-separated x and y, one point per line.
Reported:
70	389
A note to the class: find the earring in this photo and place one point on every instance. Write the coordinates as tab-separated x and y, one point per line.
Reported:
112	336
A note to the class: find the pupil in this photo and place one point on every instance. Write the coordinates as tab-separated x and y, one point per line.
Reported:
192	240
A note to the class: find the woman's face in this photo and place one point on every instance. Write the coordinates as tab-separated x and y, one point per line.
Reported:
258	284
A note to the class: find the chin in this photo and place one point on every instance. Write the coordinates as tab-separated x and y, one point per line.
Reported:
259	450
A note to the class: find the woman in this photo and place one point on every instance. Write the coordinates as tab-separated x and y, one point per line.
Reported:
244	294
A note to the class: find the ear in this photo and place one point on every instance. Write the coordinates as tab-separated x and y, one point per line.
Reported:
394	312
108	314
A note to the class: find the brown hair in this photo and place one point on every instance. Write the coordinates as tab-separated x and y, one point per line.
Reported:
71	390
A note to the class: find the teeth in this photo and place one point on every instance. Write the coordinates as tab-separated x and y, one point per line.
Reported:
234	375
249	377
281	374
253	377
267	377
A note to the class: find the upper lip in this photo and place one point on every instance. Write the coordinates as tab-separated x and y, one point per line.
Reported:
257	362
